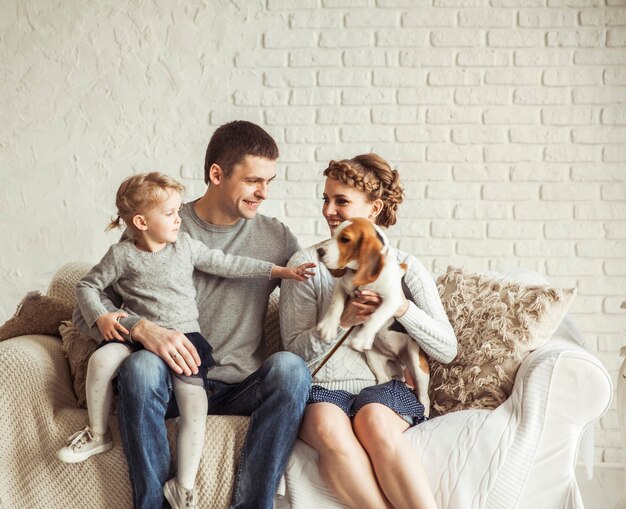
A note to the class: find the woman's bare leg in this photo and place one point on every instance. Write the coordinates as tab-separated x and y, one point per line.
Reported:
343	464
398	467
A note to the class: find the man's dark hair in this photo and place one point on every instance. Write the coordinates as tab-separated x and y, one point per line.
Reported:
232	142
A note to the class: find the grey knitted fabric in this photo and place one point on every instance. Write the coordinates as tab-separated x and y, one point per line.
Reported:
159	286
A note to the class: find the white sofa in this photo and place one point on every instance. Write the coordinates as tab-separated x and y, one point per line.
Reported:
520	455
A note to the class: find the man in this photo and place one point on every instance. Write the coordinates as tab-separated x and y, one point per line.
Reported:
240	164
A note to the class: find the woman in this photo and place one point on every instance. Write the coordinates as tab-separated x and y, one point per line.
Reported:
355	425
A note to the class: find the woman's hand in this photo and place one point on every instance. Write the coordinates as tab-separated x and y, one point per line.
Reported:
359	308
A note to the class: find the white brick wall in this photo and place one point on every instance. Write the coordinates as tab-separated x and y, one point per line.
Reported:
506	118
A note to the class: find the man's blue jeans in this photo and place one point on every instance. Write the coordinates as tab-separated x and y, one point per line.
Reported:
274	397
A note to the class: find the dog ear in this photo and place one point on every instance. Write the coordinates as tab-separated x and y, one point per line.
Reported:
371	262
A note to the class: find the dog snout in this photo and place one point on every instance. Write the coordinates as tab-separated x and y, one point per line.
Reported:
321	252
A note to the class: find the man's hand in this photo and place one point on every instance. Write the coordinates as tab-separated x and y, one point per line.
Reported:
109	326
172	346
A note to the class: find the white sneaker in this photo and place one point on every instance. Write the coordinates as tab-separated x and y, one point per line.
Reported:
179	497
83	444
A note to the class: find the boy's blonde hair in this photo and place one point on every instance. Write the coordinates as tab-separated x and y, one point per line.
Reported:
138	194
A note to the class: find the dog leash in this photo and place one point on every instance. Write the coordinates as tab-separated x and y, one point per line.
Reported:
332	351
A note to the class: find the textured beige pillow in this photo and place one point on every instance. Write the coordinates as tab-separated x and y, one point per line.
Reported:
36	314
78	348
63	284
497	323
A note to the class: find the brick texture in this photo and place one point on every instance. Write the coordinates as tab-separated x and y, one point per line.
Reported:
506	119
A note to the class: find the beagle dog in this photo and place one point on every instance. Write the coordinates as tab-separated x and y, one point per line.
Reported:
358	255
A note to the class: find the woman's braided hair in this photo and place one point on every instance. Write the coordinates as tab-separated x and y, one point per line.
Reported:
371	174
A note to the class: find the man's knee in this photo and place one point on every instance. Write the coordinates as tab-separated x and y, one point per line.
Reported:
289	373
142	374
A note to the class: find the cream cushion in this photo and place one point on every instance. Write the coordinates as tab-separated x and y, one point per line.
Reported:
497	324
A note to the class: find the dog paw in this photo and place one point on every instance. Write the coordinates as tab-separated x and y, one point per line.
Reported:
362	343
327	330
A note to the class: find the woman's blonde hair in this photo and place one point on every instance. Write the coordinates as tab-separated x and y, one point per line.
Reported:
138	194
373	175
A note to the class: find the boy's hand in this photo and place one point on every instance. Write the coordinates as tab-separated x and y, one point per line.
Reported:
299	273
109	326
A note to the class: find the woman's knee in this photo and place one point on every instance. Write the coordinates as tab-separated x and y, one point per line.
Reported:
376	426
326	428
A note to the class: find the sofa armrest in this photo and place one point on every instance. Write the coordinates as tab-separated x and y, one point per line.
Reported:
36	367
36	386
39	408
568	373
561	380
559	391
